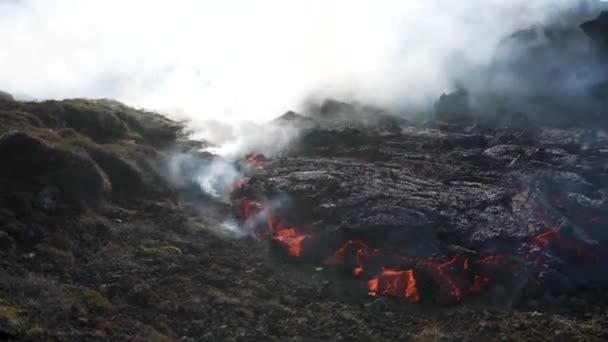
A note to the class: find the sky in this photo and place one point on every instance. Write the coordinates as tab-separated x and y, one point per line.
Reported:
239	60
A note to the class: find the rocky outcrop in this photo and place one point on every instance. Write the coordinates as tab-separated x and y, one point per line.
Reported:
597	30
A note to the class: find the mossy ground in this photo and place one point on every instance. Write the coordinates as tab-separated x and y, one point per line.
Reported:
163	251
11	314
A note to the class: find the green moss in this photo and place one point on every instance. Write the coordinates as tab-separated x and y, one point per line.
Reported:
154	335
431	332
72	142
163	251
90	298
85	116
223	297
134	136
35	330
56	255
11	314
151	127
256	285
273	305
80	121
197	225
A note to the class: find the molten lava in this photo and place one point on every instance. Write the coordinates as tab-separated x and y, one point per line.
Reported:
255	159
553	237
478	283
361	253
247	208
393	283
254	213
291	238
239	184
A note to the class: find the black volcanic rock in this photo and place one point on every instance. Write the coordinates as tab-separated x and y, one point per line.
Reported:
426	193
597	30
335	114
290	117
543	75
454	107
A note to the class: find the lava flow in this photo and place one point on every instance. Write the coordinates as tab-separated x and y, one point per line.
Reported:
444	279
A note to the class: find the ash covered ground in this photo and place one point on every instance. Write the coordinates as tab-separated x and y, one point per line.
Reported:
367	226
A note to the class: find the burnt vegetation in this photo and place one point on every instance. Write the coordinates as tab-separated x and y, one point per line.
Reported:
368	226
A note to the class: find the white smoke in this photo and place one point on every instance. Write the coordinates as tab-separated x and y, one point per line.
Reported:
239	60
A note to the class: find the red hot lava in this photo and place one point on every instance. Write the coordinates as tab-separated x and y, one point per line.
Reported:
260	220
393	283
239	184
255	159
291	238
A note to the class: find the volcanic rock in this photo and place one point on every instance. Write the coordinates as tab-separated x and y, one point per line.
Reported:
454	107
597	30
8	333
6	241
333	114
140	295
432	195
293	118
46	199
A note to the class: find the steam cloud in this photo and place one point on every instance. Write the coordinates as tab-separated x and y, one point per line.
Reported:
240	60
237	61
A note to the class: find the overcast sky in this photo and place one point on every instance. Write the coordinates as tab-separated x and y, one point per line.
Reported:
244	59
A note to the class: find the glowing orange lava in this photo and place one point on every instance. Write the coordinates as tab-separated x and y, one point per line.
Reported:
361	252
393	283
553	237
478	283
255	159
239	184
247	208
444	278
291	238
